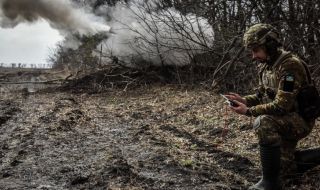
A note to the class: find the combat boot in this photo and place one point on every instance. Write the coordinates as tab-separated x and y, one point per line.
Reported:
307	159
270	163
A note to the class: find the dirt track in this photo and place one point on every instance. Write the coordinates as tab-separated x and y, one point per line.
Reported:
160	138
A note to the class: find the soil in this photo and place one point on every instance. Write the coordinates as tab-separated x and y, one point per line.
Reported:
159	137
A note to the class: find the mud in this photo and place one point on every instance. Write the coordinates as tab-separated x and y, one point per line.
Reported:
159	138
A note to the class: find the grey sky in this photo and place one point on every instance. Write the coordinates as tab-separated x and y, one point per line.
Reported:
27	43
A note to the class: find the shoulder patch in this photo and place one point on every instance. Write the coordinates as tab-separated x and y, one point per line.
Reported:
288	84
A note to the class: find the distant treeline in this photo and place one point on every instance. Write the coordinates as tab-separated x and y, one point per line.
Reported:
26	65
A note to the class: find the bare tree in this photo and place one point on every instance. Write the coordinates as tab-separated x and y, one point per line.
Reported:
167	30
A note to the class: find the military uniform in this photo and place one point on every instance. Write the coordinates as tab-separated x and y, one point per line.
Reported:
278	124
276	108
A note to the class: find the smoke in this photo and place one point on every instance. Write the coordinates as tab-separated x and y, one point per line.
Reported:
61	14
142	31
137	30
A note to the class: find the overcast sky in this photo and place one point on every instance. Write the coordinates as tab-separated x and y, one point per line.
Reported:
27	43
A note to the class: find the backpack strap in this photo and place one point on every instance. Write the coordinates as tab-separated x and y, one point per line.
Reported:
307	71
285	55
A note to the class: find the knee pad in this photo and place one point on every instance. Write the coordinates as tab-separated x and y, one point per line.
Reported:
266	129
256	123
263	121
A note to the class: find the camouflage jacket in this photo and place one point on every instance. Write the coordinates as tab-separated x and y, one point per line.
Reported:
279	84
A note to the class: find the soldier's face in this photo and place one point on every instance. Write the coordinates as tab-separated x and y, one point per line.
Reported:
259	54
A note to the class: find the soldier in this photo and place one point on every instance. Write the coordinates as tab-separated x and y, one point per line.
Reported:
278	124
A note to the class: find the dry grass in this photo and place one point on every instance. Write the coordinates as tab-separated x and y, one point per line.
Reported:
163	137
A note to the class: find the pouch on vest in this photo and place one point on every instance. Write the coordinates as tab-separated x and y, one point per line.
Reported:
308	99
309	102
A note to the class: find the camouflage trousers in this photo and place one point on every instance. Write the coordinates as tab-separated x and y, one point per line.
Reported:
285	130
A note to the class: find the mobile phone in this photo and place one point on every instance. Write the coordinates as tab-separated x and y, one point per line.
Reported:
230	102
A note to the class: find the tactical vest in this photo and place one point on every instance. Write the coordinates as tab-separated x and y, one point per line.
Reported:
269	76
307	100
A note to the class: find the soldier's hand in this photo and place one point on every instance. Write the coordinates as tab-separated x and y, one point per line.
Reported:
239	108
237	97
